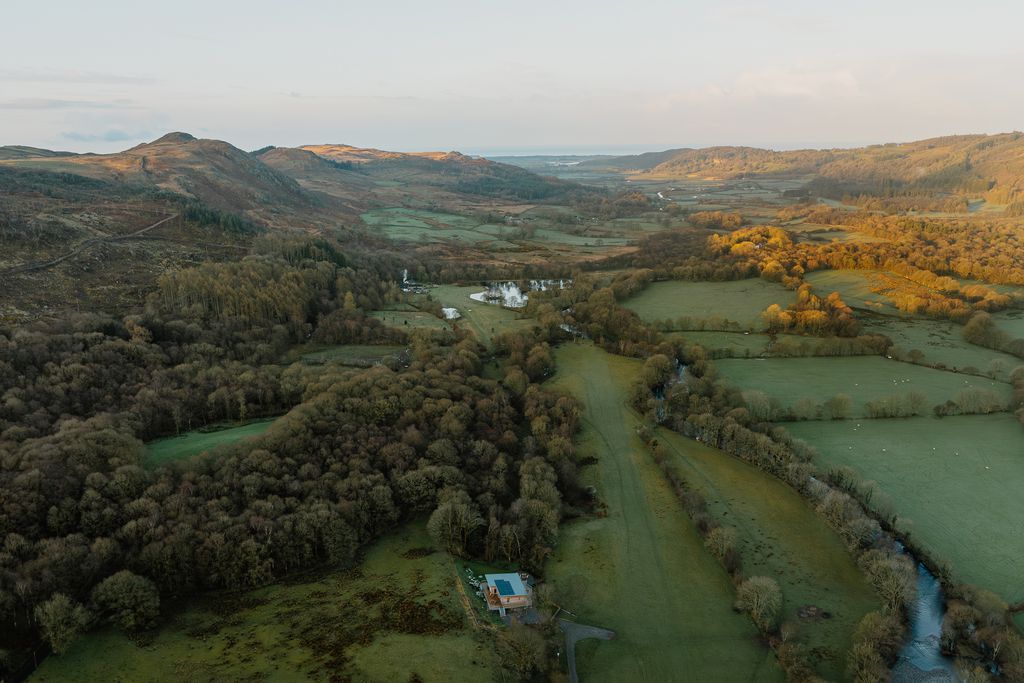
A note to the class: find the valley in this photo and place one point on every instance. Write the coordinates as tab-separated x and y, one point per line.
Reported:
701	398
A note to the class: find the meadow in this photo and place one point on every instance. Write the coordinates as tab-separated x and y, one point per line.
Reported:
407	319
856	288
942	343
780	536
741	301
358	355
163	451
532	228
740	344
394	616
862	378
642	570
954	483
1011	322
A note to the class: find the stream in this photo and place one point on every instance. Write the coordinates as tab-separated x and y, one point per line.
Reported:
921	658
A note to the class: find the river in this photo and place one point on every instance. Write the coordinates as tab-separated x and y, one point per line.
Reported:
921	658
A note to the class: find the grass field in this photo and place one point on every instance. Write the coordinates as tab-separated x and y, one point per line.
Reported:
420	225
941	342
955	482
485	320
779	535
741	301
344	354
163	451
407	319
739	344
642	570
1011	322
862	378
338	626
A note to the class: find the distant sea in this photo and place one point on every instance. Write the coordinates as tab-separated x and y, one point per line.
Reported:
582	151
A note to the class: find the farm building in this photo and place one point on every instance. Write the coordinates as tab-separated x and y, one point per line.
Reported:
506	591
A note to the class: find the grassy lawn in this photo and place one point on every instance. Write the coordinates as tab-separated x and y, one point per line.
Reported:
781	536
955	482
741	301
485	320
642	570
941	341
862	378
163	451
342	625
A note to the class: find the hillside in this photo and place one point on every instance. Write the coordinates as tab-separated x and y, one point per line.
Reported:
954	164
450	171
216	173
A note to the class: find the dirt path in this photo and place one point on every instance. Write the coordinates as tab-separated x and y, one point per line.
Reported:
43	265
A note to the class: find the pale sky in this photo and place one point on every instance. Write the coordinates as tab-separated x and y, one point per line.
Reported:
508	77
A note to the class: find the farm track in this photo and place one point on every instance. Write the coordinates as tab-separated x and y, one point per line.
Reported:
83	246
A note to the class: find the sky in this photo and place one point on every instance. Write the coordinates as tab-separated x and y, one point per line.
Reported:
503	77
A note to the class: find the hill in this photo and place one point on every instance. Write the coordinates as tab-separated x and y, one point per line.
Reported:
449	171
961	164
213	172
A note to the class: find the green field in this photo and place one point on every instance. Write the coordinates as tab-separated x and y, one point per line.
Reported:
642	570
1011	322
163	451
407	319
741	301
741	344
342	625
779	535
941	342
955	482
485	320
862	378
419	225
346	354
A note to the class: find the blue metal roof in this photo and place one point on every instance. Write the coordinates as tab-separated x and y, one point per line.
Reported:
506	584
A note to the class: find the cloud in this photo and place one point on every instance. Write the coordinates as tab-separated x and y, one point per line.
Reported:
69	76
47	103
778	82
109	136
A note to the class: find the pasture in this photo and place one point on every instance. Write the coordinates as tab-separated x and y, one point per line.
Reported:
395	615
941	342
410	319
741	344
1011	322
955	483
642	570
779	535
163	451
357	355
740	301
862	378
537	229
